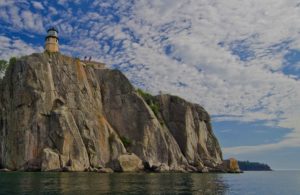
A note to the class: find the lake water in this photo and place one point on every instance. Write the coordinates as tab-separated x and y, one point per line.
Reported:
262	183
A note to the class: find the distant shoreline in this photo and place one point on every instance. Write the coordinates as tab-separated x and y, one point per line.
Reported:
253	166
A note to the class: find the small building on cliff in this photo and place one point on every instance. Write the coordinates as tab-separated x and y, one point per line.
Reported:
51	40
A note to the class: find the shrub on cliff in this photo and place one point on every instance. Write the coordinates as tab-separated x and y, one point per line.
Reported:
12	61
3	65
150	100
126	142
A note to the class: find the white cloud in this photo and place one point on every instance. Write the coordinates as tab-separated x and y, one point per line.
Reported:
226	85
18	15
14	17
62	2
200	36
53	11
5	2
292	141
15	47
32	21
37	5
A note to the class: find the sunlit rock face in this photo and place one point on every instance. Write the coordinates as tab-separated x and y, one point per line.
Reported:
190	125
59	113
231	165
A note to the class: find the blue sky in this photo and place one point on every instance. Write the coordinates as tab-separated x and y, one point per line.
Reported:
239	59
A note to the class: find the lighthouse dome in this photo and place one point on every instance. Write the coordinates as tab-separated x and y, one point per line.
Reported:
52	32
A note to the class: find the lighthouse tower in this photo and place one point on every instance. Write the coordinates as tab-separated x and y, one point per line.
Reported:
51	40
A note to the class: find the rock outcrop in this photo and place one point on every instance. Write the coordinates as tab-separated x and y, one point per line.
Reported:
128	163
57	113
190	126
50	160
231	165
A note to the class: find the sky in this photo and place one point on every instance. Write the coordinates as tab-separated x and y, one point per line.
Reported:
239	59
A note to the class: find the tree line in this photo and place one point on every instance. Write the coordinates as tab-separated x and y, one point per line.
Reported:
253	166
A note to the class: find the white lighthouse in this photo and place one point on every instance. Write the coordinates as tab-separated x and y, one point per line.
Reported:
51	40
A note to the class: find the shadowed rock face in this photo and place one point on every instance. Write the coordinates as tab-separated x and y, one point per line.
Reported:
59	114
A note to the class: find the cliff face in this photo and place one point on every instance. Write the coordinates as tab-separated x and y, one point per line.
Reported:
58	113
190	125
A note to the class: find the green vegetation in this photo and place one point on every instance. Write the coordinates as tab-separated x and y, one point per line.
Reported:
146	96
126	142
12	61
253	166
3	65
155	108
150	100
152	103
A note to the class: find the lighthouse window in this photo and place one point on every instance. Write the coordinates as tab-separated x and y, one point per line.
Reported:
52	33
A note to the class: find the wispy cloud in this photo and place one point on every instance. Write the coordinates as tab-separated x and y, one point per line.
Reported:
17	16
286	143
15	47
37	5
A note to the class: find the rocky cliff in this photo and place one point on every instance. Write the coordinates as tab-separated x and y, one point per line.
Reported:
58	113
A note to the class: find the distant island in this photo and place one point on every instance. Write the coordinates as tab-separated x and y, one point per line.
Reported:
253	166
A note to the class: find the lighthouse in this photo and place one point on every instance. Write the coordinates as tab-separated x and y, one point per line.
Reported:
51	40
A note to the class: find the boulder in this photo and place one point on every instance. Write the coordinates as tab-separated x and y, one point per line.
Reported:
191	168
199	166
160	168
5	170
92	169
152	166
105	170
50	160
204	170
130	163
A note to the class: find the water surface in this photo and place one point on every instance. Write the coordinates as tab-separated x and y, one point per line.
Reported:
276	182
